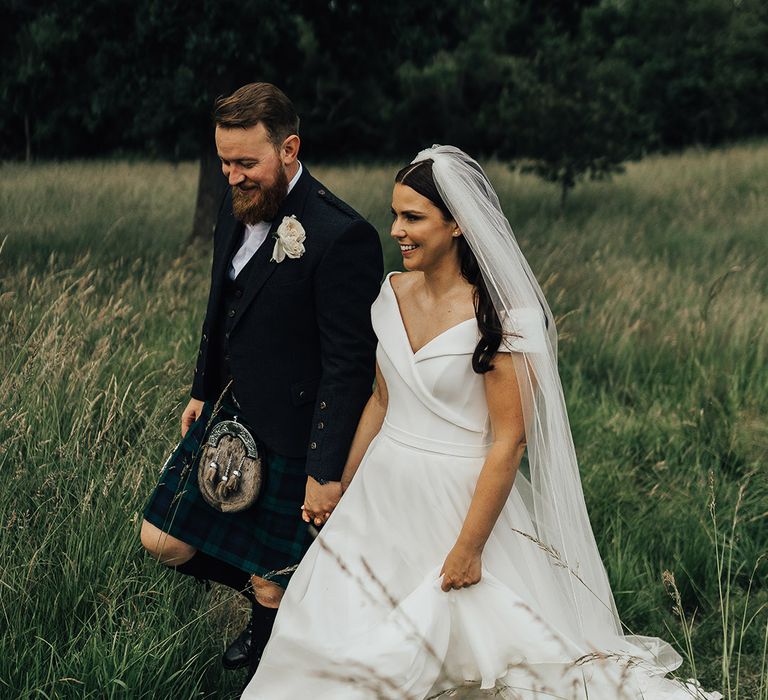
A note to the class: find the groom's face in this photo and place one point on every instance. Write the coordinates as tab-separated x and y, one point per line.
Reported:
253	166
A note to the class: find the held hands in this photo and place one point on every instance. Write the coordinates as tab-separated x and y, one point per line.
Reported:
191	414
462	568
319	501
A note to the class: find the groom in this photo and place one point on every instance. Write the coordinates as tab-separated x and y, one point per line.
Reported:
295	271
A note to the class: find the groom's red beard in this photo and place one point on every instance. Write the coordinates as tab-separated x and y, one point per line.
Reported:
255	203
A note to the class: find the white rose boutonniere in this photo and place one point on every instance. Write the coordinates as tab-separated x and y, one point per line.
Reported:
289	239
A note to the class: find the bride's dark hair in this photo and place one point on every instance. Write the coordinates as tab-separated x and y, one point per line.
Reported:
418	176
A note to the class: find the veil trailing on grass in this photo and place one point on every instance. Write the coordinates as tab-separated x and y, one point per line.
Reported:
553	493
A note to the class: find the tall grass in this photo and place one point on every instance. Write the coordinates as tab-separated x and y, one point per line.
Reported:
658	280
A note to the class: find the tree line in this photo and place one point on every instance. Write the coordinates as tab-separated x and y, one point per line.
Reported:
566	88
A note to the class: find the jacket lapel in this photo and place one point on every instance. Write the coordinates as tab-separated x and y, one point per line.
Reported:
263	269
229	233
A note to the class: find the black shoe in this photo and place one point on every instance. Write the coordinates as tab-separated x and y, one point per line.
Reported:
238	654
247	649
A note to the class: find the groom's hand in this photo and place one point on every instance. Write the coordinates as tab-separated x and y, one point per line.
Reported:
191	414
320	500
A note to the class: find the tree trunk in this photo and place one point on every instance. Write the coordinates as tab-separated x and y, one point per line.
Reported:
27	138
211	185
567	183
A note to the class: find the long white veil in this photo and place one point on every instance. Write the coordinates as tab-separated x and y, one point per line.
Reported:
553	495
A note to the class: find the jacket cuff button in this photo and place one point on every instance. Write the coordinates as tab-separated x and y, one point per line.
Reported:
312	445
323	405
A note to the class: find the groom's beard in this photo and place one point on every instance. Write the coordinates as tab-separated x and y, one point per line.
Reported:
260	203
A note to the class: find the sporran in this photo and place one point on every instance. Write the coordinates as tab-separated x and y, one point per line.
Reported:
229	468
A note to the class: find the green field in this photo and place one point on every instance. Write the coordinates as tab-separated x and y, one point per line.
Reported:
660	286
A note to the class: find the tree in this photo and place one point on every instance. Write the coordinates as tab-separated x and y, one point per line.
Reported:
530	85
581	116
38	113
701	66
348	91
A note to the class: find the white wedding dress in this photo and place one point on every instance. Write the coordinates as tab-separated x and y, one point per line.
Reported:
364	616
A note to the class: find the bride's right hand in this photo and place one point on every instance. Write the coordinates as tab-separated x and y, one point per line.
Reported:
462	568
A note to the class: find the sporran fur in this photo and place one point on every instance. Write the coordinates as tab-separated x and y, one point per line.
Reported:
229	471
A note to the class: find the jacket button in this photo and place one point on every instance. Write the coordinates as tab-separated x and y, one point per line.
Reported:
320	425
323	405
226	358
238	293
312	445
226	335
302	393
205	337
321	193
231	313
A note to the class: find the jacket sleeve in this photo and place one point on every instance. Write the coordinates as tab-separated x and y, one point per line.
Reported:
198	379
347	282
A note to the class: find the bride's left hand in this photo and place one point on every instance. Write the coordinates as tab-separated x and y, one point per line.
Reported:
462	568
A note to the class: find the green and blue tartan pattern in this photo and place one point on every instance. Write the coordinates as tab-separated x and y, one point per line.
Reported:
268	537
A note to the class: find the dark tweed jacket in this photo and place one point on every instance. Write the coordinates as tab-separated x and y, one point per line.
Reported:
300	345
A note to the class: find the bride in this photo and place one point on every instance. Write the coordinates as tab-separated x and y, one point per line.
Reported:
460	558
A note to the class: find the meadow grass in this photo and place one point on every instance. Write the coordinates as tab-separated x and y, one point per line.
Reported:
658	280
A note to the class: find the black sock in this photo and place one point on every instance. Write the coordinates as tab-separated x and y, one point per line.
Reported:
262	620
207	568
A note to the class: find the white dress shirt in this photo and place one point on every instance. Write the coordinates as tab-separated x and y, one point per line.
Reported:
254	236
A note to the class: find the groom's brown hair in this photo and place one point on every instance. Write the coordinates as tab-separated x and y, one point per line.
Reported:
254	103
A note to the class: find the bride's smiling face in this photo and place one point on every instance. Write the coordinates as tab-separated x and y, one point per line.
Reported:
426	238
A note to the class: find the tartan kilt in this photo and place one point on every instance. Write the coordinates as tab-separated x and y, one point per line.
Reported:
263	539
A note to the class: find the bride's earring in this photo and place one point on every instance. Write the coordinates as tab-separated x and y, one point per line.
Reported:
456	233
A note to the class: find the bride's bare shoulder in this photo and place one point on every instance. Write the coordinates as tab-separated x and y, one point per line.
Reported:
403	282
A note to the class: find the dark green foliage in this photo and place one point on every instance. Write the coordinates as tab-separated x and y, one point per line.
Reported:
348	91
565	89
532	83
136	76
701	65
